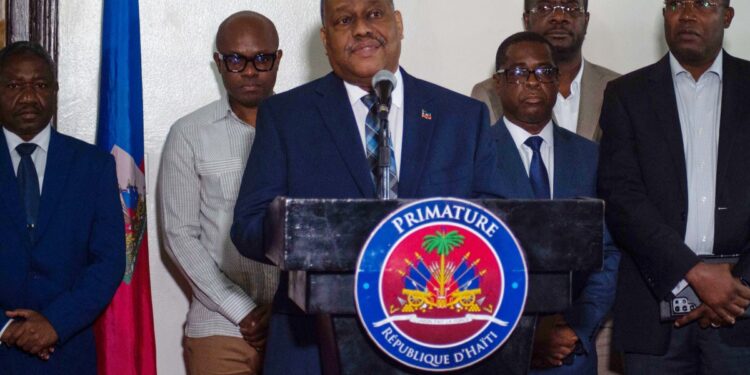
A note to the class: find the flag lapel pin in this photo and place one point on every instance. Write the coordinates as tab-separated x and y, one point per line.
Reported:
426	115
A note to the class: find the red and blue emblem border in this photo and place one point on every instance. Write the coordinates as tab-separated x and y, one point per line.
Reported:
371	308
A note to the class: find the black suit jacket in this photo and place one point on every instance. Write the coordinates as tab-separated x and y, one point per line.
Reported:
642	177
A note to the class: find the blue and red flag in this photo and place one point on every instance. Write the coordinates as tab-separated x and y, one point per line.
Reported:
125	332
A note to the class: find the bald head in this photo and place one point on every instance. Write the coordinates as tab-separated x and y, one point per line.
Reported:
243	22
247	57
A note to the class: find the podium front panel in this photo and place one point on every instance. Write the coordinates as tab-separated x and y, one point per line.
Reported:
326	235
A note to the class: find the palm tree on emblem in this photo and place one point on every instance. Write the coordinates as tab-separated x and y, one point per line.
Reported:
444	243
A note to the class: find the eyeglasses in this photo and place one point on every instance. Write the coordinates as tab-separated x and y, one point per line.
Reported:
236	63
545	10
518	75
675	6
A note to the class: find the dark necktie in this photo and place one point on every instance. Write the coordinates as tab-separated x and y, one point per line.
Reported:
28	183
371	137
537	171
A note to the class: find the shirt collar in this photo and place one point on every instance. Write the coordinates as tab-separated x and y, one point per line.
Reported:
717	67
41	139
355	93
575	86
224	110
520	135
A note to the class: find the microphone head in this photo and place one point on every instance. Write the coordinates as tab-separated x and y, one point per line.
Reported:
384	76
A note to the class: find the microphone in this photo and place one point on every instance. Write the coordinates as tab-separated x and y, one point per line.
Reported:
383	83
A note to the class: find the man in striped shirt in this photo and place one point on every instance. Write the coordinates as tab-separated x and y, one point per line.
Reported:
201	169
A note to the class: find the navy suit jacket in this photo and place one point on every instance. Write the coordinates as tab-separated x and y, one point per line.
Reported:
72	267
643	179
307	145
575	162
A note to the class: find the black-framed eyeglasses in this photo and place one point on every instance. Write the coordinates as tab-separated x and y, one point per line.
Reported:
236	62
545	10
675	6
518	75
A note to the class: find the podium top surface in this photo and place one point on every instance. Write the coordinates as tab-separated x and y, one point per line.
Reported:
326	235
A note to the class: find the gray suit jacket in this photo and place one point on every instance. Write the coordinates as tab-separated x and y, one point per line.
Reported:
593	83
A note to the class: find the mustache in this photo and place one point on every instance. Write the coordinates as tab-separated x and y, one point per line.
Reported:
557	29
688	30
368	40
29	108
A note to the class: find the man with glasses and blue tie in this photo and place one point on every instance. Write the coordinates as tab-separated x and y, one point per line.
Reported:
202	165
540	160
675	170
581	83
62	254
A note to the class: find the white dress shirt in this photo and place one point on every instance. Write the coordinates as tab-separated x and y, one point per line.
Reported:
39	157
395	116
699	108
2	331
566	109
546	149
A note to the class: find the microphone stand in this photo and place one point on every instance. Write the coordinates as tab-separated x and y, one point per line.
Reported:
384	153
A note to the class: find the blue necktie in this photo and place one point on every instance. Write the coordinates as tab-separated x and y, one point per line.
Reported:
372	128
537	171
28	183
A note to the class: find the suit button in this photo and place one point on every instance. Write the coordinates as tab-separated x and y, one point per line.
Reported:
683	216
35	276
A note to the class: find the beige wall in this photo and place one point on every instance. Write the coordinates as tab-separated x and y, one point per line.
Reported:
449	42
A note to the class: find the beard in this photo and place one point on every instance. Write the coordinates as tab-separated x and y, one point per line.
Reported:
693	56
688	56
567	53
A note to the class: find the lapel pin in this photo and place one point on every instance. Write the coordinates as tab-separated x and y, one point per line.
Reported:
426	115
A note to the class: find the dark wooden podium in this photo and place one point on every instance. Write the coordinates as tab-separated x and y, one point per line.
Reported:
318	242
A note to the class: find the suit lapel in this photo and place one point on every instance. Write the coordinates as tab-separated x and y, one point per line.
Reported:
665	105
510	167
496	107
10	197
732	111
590	102
59	161
333	104
564	159
418	130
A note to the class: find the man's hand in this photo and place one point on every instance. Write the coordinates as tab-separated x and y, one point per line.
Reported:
10	335
31	332
254	327
725	295
553	344
705	316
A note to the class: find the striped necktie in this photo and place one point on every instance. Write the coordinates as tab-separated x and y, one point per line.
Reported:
371	137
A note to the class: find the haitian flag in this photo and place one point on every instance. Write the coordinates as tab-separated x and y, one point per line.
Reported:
125	332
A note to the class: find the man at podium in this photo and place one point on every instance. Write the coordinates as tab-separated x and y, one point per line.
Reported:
316	141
